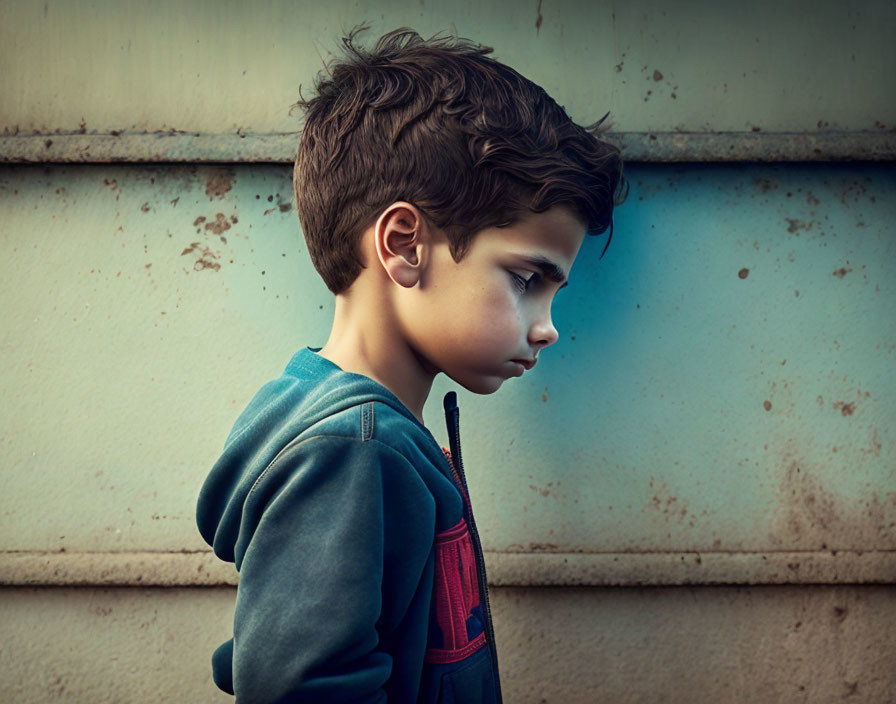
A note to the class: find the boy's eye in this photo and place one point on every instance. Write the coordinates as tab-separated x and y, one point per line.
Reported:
522	283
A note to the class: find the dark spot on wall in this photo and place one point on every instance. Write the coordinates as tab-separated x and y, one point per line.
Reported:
796	225
765	185
743	273
840	612
842	271
145	207
218	183
657	75
538	18
767	405
198	221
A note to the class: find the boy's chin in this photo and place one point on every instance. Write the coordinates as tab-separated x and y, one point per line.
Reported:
483	385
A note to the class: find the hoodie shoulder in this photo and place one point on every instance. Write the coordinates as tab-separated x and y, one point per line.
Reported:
313	397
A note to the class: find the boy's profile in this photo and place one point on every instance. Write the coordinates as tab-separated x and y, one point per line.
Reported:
443	198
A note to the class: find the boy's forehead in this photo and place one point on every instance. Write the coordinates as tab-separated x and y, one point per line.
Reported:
547	240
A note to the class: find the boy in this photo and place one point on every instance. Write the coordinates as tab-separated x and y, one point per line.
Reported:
443	198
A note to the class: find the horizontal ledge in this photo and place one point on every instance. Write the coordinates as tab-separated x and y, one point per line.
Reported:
203	569
281	147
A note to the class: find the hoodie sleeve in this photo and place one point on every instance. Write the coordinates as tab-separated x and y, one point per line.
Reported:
317	534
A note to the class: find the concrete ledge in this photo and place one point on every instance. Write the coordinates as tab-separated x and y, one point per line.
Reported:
203	569
280	147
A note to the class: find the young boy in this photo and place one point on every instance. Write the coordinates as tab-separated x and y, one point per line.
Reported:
443	198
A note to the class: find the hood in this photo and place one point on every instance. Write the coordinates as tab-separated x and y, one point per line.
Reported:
310	389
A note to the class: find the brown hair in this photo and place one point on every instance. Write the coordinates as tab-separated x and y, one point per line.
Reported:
437	123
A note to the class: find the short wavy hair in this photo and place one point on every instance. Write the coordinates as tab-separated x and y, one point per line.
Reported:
438	123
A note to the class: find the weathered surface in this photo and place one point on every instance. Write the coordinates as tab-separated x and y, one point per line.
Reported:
548	569
236	68
703	645
280	148
556	646
724	380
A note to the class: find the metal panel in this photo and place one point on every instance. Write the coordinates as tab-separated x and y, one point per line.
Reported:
724	381
232	67
281	148
557	646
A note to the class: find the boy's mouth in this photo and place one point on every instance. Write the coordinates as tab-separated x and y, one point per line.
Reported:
526	363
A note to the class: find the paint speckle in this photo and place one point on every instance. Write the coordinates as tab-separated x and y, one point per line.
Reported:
842	271
767	405
743	273
657	75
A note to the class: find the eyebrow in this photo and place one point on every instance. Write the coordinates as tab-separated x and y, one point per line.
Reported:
550	270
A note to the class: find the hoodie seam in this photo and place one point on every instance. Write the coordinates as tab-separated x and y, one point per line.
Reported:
296	442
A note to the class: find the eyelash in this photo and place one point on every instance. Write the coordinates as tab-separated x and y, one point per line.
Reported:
521	283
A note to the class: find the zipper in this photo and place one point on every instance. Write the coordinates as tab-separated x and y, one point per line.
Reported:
452	419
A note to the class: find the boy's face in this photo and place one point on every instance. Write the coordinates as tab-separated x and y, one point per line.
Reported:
486	318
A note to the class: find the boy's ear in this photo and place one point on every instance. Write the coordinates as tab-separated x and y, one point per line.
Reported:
399	235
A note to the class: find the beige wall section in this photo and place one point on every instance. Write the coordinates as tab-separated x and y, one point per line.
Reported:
222	67
810	645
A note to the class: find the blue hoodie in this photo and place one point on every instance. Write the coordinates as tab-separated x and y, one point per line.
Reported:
361	571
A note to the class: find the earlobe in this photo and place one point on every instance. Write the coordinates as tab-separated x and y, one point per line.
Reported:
398	236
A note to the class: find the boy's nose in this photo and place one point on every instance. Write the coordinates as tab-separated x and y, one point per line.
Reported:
543	333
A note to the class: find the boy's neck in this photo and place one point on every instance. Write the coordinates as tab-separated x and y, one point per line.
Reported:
363	341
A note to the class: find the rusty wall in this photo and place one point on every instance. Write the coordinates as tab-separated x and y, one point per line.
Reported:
693	497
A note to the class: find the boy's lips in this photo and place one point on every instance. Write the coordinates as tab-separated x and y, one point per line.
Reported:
527	363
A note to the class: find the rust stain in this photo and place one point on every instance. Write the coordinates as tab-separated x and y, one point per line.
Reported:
876	445
219	225
206	257
657	75
842	271
551	489
218	183
810	516
795	225
846	409
284	205
743	273
666	504
767	405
